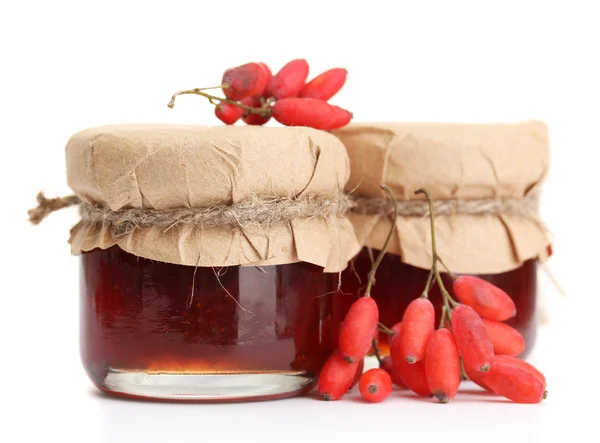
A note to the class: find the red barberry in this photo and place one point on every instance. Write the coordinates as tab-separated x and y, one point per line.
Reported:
375	385
477	377
251	118
310	112
506	340
289	80
442	365
488	300
228	113
396	329
268	76
388	366
413	376
521	364
418	323
514	383
325	85
358	328
243	81
471	338
336	377
359	372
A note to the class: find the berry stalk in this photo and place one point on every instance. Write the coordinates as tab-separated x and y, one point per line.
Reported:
449	302
264	111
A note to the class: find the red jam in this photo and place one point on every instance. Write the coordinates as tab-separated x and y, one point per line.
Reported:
140	316
397	284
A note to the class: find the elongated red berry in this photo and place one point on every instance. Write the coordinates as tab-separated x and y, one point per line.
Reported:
289	80
254	119
506	340
243	81
388	366
472	340
521	364
413	376
442	365
268	76
228	113
325	85
488	300
359	371
418	323
336	377
358	328
310	112
514	383
477	377
375	385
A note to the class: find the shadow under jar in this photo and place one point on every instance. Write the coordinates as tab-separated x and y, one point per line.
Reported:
399	283
164	331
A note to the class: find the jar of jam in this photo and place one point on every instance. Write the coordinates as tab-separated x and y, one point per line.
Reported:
485	181
210	257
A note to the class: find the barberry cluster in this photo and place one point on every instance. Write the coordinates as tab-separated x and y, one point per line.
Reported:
471	342
254	94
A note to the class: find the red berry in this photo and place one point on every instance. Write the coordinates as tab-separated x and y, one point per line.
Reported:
375	385
325	85
336	377
289	80
310	112
514	383
488	300
412	376
472	340
254	119
388	366
506	359
247	80
359	372
228	113
358	328
442	365
268	76
418	323
506	340
477	377
396	329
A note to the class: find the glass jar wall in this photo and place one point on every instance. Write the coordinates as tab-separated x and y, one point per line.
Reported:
157	330
398	283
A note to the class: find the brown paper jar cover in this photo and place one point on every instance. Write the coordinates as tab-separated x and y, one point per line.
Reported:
453	161
165	167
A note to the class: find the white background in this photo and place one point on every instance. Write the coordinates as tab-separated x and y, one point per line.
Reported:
65	66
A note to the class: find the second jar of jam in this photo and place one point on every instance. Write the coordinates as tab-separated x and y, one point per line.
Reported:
210	258
485	182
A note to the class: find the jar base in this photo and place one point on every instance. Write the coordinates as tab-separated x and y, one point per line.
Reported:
201	387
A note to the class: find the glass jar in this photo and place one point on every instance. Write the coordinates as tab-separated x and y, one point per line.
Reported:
156	330
398	283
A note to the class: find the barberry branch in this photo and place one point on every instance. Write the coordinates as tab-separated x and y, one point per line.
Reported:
263	111
449	303
371	280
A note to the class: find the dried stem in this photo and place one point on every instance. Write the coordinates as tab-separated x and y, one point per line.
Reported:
376	352
449	303
383	328
264	111
371	280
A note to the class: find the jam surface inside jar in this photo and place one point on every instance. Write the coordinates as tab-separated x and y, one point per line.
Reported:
158	330
398	283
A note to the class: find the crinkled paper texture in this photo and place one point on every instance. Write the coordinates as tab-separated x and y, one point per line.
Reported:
451	161
173	166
